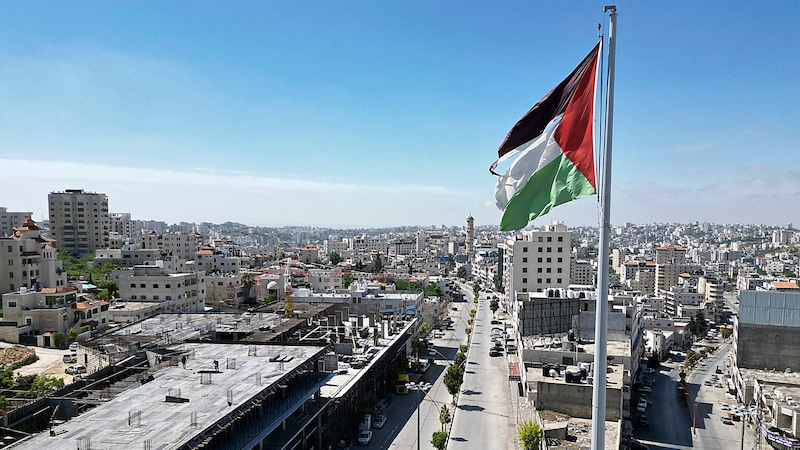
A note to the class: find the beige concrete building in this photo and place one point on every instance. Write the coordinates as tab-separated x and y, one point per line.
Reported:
10	220
34	312
537	260
79	220
174	246
28	259
174	292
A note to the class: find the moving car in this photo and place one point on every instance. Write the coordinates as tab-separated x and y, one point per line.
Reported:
379	422
364	437
73	346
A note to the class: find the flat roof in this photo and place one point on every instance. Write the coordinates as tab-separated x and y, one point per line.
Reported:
185	326
166	424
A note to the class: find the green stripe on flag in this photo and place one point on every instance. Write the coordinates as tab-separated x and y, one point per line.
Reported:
556	183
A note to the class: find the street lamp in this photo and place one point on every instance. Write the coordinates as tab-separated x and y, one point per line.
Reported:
422	388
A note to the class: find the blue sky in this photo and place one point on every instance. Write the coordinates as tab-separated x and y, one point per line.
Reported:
388	113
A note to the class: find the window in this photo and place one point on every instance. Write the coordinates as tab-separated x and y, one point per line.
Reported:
548	281
539	280
525	260
155	297
133	285
549	260
549	269
549	249
141	285
560	249
524	249
155	286
539	260
167	286
540	249
561	239
560	259
558	270
549	238
559	280
524	280
540	239
169	297
524	270
538	270
524	289
10	274
133	297
12	304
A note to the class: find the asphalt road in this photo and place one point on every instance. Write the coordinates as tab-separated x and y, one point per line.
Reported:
669	421
400	431
485	418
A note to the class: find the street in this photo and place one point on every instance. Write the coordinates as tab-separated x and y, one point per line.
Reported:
486	417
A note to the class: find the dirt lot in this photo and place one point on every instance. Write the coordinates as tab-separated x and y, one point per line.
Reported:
50	361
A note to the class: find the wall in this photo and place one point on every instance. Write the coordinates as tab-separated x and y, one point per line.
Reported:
768	347
575	399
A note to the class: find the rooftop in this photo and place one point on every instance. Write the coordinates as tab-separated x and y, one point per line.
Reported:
142	414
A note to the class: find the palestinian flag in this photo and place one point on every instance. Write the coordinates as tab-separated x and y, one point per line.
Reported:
554	142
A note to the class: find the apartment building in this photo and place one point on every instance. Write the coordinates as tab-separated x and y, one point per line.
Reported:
580	272
28	259
10	220
174	292
79	220
209	259
178	246
537	260
121	224
34	312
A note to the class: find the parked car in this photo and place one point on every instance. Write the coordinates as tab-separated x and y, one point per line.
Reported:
70	358
643	421
645	389
640	408
495	322
379	422
78	368
73	346
636	445
727	421
649	370
495	351
364	437
725	407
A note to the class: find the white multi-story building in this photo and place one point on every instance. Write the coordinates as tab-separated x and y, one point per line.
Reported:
401	247
326	280
177	246
79	220
537	260
28	259
580	272
174	292
209	259
10	220
121	224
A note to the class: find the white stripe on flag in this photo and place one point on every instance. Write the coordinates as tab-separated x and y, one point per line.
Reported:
536	154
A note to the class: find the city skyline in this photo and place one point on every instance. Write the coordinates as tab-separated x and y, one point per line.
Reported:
371	115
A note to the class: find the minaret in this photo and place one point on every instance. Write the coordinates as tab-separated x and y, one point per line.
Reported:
469	247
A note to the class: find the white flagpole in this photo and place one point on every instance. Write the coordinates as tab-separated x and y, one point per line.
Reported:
601	321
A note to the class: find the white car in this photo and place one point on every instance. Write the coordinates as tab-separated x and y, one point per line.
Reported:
379	422
72	370
364	437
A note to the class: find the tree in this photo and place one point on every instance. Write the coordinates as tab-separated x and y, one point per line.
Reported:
461	273
494	305
377	263
248	281
45	384
444	416
439	440
529	434
335	258
417	347
59	340
498	282
453	377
